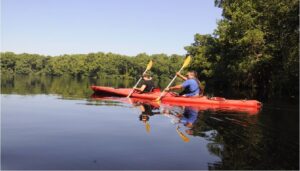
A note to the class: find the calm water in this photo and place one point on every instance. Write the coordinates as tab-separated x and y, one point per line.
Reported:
53	123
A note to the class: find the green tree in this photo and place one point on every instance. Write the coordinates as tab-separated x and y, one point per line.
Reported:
255	45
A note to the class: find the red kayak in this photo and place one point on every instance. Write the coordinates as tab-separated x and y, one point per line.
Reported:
213	103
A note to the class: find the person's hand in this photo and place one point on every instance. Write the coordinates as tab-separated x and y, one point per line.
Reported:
166	111
179	115
167	89
178	74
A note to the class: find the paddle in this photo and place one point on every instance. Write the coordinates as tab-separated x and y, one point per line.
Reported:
182	136
185	64
149	66
147	125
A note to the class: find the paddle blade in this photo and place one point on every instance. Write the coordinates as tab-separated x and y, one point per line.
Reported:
149	66
187	61
147	127
182	136
158	102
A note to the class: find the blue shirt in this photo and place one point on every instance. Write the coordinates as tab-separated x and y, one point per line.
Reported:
191	87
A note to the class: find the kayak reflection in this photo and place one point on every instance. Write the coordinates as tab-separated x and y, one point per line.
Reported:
183	117
200	107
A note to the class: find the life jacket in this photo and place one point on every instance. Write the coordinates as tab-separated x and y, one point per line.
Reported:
201	92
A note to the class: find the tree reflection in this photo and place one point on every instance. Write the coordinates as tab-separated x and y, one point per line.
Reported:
65	86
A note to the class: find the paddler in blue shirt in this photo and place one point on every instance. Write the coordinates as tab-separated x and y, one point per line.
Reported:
190	86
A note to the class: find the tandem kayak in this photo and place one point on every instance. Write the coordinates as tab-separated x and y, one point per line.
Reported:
170	98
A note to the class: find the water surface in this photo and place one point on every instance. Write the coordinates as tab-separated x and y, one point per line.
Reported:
53	123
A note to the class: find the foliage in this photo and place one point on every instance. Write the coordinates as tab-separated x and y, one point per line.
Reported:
95	65
255	45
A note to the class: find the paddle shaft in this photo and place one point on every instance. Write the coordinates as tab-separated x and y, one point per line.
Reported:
136	84
163	93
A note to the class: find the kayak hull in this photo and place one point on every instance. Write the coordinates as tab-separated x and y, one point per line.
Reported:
214	102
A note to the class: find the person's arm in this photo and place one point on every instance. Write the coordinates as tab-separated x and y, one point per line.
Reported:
142	108
181	76
177	87
141	88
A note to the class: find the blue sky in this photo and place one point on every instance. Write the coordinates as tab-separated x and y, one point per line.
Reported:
54	27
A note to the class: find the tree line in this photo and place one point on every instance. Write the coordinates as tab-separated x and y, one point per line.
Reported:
255	45
90	65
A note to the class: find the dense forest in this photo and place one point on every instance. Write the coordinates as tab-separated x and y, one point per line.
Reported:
91	65
255	45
